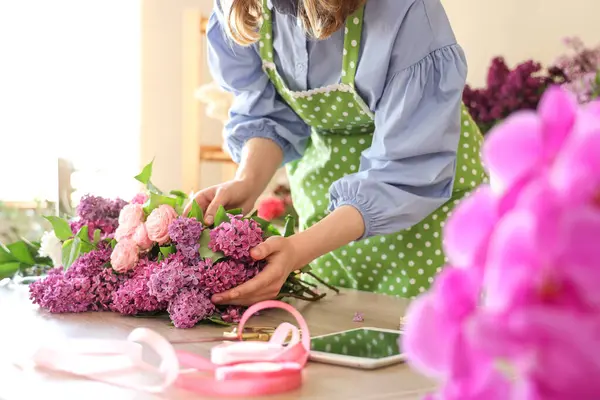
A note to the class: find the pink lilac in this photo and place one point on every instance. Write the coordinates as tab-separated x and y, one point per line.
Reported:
233	314
134	296
358	317
140	198
190	307
86	285
107	227
236	238
94	208
175	274
225	275
185	233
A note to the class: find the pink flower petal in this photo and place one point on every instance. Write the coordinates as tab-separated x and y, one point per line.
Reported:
513	150
468	229
557	111
512	260
576	173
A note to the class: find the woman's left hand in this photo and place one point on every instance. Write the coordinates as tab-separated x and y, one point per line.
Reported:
282	259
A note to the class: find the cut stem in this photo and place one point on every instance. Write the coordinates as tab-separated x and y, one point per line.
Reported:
323	282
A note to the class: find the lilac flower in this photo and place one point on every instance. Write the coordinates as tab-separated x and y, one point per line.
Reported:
233	314
358	317
236	238
185	232
174	275
93	208
226	275
190	307
60	295
86	286
134	296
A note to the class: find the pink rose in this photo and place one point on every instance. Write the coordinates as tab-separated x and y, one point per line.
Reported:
158	223
140	198
125	256
130	218
140	237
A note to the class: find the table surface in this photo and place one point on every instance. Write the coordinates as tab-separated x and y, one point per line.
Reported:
23	325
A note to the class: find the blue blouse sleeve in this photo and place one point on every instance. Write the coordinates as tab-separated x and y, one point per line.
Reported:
408	171
257	109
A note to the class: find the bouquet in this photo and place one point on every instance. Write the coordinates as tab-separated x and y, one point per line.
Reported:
278	205
581	69
521	298
144	258
508	91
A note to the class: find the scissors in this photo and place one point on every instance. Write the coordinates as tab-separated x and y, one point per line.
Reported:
250	334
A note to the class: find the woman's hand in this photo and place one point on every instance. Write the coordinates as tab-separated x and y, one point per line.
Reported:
282	259
233	194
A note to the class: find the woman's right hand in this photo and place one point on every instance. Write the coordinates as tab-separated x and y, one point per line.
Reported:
232	194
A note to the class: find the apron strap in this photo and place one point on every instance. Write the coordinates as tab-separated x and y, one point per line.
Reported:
352	40
266	34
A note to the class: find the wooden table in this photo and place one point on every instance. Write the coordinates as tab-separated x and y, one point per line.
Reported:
22	325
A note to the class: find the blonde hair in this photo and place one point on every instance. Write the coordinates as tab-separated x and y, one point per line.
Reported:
320	18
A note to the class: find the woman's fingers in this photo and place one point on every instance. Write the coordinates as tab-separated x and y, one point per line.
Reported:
203	198
220	199
267	248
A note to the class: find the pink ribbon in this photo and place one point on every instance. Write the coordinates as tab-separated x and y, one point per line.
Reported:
235	369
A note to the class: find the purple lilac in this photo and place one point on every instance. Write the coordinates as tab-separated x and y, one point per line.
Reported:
186	232
134	296
236	238
226	275
580	68
508	91
107	227
94	208
85	286
190	307
233	314
174	275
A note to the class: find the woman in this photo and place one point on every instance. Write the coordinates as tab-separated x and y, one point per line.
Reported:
362	101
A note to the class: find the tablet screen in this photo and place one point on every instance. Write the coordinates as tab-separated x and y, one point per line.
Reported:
363	343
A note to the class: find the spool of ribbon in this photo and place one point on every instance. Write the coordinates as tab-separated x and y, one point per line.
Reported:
236	369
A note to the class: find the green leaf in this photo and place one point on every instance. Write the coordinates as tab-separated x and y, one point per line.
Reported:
84	233
263	223
218	320
160	257
196	212
178	193
290	225
235	211
5	255
20	252
205	251
61	227
9	269
167	250
113	243
221	216
146	174
71	251
97	234
157	200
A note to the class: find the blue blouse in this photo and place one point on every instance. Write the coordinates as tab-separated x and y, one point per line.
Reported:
411	74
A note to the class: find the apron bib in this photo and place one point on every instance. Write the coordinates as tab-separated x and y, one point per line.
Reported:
401	264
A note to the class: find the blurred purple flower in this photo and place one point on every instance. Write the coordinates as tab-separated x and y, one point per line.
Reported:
236	238
190	307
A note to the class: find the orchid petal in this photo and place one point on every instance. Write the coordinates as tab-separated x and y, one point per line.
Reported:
467	230
557	111
513	150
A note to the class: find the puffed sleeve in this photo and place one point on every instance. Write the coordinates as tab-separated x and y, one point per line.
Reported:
257	110
408	171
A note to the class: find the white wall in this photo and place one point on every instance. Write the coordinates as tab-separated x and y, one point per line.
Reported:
516	29
163	96
519	29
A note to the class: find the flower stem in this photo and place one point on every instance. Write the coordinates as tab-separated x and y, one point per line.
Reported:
323	282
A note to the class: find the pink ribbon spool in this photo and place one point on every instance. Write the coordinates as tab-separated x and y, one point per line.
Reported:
239	369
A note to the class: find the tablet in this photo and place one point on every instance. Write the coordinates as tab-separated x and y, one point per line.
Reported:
364	348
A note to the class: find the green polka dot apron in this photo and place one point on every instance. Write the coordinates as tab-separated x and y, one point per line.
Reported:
402	264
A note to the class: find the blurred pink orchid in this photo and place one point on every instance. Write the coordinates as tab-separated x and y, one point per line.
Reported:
528	245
